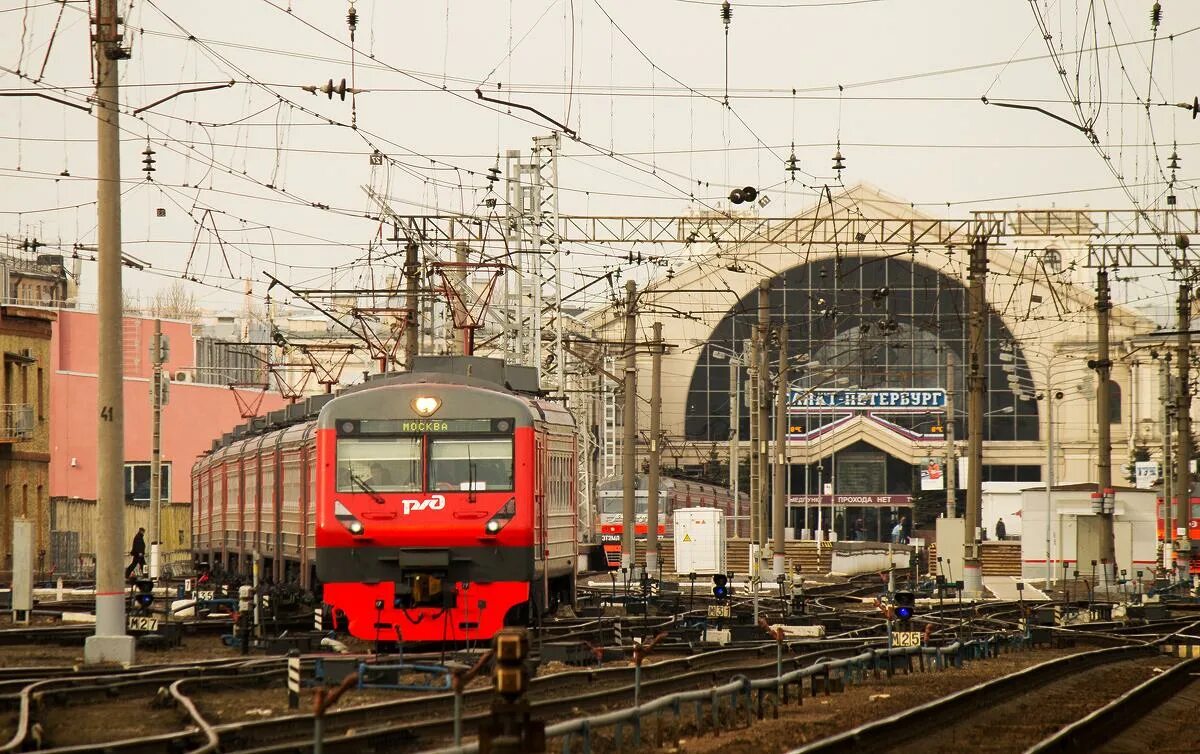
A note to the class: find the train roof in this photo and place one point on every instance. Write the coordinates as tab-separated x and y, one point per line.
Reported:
475	371
665	483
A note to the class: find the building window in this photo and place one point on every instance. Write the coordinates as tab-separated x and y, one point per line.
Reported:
1114	402
137	483
41	393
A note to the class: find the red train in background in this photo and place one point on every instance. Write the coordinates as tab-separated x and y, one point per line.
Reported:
672	493
434	505
1193	527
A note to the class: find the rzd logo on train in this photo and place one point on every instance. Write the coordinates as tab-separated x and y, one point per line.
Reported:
435	503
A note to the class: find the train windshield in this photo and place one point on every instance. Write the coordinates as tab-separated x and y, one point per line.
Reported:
470	464
391	464
615	504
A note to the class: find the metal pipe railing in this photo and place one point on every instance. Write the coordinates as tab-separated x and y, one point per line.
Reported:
730	695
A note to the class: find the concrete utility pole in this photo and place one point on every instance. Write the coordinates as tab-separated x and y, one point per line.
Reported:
1051	396
158	355
735	420
109	643
1103	367
753	397
764	462
1167	392
1183	451
652	477
949	473
629	470
976	400
412	323
779	476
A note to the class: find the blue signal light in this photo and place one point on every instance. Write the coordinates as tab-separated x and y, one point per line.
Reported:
904	605
720	586
144	600
903	612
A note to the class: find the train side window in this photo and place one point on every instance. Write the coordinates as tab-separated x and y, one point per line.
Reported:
462	464
390	464
1195	510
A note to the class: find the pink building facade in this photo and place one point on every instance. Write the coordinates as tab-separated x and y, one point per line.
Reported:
195	415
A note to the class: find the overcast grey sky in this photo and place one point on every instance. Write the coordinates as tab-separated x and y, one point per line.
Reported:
643	83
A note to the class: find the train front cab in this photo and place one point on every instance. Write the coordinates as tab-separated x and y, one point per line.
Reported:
1193	529
434	527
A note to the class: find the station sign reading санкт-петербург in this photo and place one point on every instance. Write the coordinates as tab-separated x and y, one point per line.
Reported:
889	400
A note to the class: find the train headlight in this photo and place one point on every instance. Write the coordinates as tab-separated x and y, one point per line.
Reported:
346	518
426	405
500	518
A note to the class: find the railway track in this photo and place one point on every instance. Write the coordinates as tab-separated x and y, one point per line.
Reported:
399	723
1148	717
1017	711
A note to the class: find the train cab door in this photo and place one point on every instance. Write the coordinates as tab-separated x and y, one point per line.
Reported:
307	517
540	470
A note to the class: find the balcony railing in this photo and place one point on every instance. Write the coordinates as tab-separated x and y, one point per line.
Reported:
16	421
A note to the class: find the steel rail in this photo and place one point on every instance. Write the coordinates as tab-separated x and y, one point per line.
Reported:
359	737
211	740
170	740
885	734
1089	732
39	689
733	689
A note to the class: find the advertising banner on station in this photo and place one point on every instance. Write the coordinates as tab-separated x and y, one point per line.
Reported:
867	501
823	400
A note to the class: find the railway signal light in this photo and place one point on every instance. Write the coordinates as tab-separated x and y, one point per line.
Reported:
721	586
905	605
511	647
145	593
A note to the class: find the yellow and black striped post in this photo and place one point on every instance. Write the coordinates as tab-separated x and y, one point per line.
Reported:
293	679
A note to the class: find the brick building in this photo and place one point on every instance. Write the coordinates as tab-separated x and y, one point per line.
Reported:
24	426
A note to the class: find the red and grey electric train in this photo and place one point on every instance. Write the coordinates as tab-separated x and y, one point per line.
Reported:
1193	527
434	505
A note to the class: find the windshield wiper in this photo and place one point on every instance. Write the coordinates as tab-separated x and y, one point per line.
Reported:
470	477
367	488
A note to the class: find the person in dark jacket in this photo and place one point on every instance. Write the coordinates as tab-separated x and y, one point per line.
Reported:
138	552
1001	531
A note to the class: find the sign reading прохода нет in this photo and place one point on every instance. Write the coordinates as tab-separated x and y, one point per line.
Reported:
916	399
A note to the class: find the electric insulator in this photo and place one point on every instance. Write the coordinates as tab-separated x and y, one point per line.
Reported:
1155	16
839	162
352	17
792	165
148	161
1173	164
726	14
493	174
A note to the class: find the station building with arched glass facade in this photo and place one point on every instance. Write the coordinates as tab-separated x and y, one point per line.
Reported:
871	328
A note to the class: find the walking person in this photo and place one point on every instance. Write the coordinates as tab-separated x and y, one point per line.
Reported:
1001	529
138	552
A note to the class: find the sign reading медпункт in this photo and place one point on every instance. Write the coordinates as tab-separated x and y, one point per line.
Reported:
915	399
